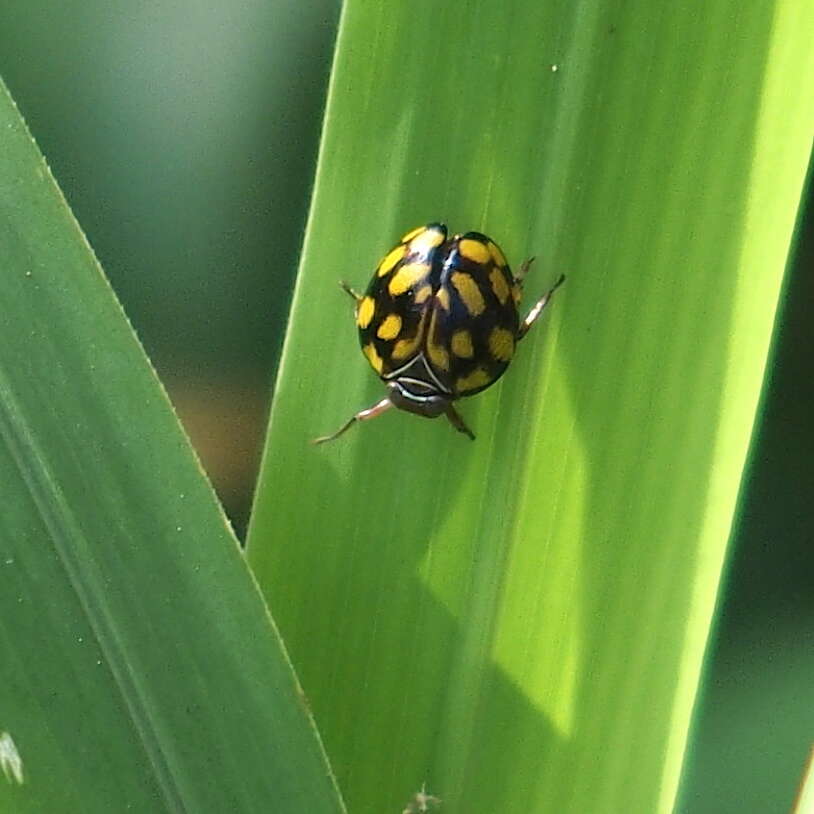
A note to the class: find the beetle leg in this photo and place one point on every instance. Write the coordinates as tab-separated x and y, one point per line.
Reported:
348	290
537	308
524	269
363	415
455	419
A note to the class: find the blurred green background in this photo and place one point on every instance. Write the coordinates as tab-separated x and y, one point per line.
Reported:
184	135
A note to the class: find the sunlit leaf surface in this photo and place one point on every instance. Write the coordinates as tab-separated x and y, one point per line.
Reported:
519	622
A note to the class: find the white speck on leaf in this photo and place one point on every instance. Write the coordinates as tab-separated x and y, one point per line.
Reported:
10	759
422	802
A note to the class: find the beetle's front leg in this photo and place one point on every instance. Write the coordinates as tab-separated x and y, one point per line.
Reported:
538	306
348	290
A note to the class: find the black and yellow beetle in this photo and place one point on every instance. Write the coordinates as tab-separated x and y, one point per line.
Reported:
439	321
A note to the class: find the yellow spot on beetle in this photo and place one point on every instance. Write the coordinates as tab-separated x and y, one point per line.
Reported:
386	266
462	344
406	277
442	295
497	255
373	357
390	327
501	344
472	381
365	312
435	349
428	239
423	294
412	233
499	285
469	291
405	348
438	355
473	250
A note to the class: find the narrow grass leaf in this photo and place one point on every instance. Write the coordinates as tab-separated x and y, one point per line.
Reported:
139	669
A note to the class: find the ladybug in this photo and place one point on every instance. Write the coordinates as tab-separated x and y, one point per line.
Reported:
439	321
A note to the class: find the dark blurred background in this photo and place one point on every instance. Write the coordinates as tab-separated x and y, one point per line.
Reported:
184	136
755	719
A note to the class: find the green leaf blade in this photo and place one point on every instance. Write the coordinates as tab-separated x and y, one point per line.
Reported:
520	622
140	669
